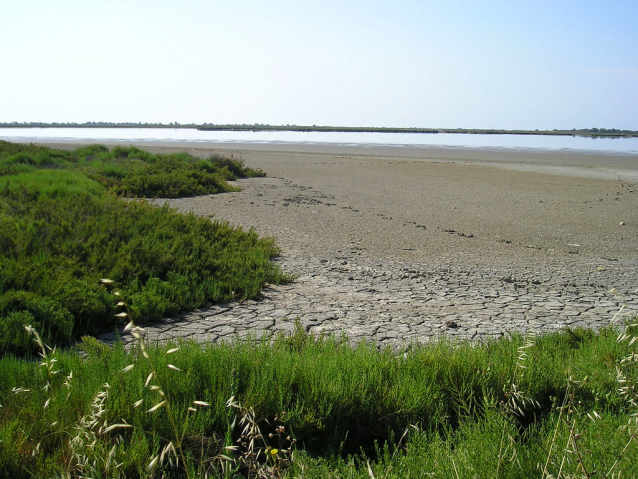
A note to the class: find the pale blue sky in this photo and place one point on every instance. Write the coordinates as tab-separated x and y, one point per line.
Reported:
488	64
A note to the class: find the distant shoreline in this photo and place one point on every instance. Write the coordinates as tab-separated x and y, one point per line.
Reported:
591	133
600	164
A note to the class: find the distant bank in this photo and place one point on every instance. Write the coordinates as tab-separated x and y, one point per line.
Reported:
590	132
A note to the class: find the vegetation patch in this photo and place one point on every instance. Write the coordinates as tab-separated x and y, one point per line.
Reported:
64	226
129	171
563	405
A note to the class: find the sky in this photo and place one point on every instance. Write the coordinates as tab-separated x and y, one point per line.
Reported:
431	64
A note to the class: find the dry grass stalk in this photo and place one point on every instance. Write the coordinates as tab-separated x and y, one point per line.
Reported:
253	455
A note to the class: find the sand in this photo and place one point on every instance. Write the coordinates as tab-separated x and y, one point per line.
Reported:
499	207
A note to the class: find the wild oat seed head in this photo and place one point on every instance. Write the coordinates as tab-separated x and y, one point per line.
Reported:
156	407
153	463
115	426
19	390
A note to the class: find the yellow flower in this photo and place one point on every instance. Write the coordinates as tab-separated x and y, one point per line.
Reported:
274	452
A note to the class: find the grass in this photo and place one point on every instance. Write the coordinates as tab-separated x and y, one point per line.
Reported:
500	409
64	226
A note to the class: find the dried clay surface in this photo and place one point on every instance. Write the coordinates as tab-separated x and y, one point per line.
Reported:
397	245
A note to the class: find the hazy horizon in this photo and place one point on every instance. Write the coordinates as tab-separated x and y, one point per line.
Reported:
107	124
403	64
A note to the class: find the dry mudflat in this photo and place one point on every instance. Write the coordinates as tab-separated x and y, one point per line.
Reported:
402	244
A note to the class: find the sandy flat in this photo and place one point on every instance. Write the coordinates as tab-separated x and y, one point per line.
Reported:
498	207
395	245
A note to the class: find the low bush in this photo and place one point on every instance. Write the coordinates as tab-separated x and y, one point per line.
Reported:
130	171
63	229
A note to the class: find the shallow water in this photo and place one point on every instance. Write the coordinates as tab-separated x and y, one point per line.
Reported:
616	145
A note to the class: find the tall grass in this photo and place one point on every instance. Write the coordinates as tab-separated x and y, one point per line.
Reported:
441	409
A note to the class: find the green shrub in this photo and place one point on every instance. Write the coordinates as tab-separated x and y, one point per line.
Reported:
61	231
90	150
236	167
49	183
167	179
22	157
130	171
163	262
130	152
48	316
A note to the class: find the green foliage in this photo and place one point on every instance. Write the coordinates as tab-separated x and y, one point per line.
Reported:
61	232
406	415
49	183
48	315
130	171
168	178
236	167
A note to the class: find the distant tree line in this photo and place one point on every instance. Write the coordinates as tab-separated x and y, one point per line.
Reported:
95	124
588	132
